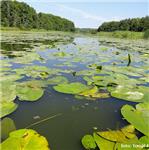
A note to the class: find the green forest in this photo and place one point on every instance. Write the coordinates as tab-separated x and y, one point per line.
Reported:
21	15
134	24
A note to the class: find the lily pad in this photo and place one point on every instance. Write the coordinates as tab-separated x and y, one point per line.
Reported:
7	126
7	108
8	91
137	94
25	139
88	142
144	140
57	80
34	71
137	117
119	135
95	93
70	88
128	145
28	91
102	143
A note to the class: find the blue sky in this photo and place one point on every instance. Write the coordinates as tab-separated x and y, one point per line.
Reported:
90	14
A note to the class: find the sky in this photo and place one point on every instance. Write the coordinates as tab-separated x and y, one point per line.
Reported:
92	13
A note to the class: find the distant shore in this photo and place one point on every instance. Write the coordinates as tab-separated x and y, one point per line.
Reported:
115	34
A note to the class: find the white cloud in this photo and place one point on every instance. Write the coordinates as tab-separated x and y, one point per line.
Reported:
95	19
81	13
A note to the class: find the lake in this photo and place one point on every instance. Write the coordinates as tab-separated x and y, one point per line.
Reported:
50	62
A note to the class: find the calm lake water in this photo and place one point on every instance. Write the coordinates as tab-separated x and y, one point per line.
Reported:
77	116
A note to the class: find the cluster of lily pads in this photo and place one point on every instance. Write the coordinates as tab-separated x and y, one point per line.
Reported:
104	73
21	139
126	137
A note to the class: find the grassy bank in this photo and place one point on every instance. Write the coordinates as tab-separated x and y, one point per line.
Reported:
122	34
116	34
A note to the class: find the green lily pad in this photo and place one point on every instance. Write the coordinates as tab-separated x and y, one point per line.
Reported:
25	139
88	142
57	80
129	144
27	58
138	94
137	117
104	48
7	126
102	143
29	91
8	91
34	71
119	135
7	108
70	88
10	77
144	140
94	93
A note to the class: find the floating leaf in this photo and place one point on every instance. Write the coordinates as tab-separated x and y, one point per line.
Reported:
88	142
7	126
57	80
137	117
130	93
119	135
7	108
94	92
10	77
8	91
70	88
34	71
102	143
29	91
129	144
104	48
144	140
25	139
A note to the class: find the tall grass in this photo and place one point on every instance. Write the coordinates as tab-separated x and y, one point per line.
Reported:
123	34
146	34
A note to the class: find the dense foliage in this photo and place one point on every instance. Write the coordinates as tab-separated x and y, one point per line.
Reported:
19	14
134	24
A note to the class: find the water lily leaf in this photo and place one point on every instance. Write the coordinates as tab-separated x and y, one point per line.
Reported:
27	58
144	140
102	143
8	91
119	135
137	117
70	88
34	71
94	92
60	54
10	77
25	139
28	91
7	126
128	131
88	142
57	80
129	144
104	48
130	93
7	108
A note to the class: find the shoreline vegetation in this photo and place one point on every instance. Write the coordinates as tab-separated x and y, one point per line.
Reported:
21	15
115	34
14	19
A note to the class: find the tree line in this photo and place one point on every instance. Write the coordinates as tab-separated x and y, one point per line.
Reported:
134	24
21	15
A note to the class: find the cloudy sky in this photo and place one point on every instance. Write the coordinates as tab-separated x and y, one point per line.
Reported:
91	13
